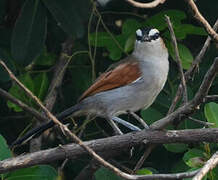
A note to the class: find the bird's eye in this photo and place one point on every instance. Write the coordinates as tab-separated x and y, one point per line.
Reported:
138	37
155	36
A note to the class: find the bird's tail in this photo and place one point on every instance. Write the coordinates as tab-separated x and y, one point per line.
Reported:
72	111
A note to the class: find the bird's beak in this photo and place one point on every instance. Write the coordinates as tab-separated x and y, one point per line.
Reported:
146	38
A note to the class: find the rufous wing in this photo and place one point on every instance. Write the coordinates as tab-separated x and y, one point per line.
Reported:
121	75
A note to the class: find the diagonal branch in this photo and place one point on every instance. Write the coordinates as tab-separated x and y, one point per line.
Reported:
115	143
192	69
210	164
146	5
178	59
202	20
192	105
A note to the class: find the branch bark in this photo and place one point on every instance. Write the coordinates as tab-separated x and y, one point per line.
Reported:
210	164
115	143
202	20
59	71
146	5
192	105
178	59
188	74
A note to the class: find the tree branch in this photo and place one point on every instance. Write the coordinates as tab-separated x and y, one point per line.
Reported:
203	21
114	143
59	71
210	164
188	74
146	5
4	94
192	105
178	59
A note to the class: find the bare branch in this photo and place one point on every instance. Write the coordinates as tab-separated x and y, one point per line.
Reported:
178	59
192	69
25	107
209	98
210	164
59	71
207	124
146	5
115	143
202	20
192	105
144	157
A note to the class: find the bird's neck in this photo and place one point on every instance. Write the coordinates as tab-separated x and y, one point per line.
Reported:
151	51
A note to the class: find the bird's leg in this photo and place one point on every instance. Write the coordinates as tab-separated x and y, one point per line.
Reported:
139	119
126	124
114	126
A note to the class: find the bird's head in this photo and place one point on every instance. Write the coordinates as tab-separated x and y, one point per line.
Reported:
149	43
147	35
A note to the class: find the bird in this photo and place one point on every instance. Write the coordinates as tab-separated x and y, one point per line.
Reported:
127	86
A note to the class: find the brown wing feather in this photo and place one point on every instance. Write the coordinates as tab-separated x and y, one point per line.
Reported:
122	75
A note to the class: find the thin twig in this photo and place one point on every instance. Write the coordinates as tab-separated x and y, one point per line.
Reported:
108	31
209	98
178	59
89	43
72	136
4	94
202	20
192	69
64	128
50	99
146	5
144	157
192	105
210	164
207	124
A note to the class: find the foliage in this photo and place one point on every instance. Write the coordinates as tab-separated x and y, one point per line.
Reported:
43	172
32	33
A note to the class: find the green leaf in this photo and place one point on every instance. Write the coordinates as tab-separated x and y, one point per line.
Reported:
29	32
68	15
176	147
101	40
144	171
214	173
45	59
4	149
185	54
150	115
211	113
159	22
41	85
130	26
105	174
182	30
194	157
179	166
5	56
185	29
105	40
42	172
129	45
18	93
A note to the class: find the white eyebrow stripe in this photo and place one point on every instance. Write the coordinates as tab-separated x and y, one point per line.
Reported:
139	32
153	32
